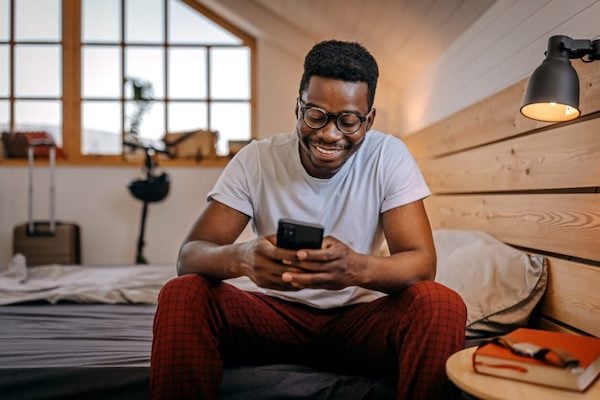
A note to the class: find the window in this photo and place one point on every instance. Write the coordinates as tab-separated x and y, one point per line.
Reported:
31	90
193	73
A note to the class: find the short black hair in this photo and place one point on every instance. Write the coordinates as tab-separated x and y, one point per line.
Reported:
346	61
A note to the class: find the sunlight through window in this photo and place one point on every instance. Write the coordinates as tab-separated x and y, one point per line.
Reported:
195	68
196	73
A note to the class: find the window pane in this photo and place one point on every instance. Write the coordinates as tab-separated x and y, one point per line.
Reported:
146	64
187	116
4	71
230	73
187	73
153	120
38	20
37	71
4	110
4	19
232	120
101	71
144	21
101	127
101	20
39	116
187	25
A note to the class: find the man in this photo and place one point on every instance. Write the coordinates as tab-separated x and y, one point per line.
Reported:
361	312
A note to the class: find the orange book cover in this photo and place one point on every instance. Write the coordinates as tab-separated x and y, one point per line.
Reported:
495	359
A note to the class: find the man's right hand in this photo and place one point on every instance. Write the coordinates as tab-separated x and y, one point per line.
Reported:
210	249
264	263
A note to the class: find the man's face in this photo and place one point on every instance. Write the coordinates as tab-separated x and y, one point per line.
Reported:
324	151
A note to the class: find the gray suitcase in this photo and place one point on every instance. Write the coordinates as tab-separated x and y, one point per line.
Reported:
50	241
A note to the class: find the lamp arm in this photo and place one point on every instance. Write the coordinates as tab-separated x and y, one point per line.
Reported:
595	53
565	46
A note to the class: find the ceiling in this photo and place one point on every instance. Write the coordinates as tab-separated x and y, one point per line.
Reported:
403	35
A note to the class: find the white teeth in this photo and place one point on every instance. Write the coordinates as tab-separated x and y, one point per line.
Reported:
325	151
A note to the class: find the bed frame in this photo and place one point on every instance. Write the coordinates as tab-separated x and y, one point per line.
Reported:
533	185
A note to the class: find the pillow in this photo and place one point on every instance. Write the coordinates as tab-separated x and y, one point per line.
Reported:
499	284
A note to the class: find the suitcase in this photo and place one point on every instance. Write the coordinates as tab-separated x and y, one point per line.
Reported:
46	242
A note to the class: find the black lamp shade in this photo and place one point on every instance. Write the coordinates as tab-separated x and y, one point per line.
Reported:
553	91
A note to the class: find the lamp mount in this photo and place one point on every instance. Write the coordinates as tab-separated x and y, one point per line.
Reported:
564	46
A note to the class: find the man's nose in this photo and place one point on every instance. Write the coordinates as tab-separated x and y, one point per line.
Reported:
330	132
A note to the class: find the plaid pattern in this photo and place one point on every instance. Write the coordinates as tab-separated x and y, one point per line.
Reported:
201	325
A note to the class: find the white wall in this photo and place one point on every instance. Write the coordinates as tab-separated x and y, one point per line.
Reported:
278	77
98	200
501	48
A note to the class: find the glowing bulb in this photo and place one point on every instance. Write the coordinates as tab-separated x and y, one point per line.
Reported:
570	110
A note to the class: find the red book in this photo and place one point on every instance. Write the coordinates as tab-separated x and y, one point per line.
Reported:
496	358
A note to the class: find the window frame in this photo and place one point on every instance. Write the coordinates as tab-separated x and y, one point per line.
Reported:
71	100
12	43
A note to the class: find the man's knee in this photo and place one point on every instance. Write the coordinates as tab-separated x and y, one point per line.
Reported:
193	287
432	298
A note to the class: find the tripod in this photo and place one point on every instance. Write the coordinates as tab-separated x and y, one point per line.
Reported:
152	189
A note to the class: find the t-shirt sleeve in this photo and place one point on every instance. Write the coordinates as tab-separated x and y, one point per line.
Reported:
403	181
233	187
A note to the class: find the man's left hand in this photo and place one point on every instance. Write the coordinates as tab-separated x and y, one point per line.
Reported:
334	266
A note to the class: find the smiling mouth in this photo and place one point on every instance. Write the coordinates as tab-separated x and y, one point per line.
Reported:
326	153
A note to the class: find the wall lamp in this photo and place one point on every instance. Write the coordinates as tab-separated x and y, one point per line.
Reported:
553	90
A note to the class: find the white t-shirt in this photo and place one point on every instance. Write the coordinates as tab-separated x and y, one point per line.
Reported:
266	181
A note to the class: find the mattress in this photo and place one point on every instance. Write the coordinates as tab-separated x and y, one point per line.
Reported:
102	351
89	351
85	332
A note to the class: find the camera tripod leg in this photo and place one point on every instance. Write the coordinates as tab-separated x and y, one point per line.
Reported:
139	258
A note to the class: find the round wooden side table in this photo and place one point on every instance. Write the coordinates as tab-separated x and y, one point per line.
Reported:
459	368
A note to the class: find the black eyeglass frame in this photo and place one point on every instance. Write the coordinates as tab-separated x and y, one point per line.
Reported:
330	116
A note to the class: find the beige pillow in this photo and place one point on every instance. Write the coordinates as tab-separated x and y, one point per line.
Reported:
499	284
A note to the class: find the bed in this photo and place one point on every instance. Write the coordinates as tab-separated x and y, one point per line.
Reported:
75	351
86	331
77	331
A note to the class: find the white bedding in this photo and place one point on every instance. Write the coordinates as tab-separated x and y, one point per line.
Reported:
82	284
108	284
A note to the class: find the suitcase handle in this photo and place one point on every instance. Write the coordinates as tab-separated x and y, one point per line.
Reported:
52	158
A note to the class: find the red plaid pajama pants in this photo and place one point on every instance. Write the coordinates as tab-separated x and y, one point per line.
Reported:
201	325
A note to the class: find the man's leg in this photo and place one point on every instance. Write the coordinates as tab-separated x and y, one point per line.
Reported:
200	323
409	335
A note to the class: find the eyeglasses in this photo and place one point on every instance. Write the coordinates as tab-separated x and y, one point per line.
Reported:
346	122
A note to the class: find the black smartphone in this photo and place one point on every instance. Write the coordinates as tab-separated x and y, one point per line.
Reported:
295	235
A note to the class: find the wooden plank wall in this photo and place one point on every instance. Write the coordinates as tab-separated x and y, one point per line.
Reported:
533	185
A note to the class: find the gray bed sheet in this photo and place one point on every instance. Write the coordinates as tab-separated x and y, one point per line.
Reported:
85	351
102	351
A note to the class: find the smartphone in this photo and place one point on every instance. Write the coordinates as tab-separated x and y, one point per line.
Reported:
295	235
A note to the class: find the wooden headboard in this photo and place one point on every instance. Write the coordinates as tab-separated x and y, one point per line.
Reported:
533	185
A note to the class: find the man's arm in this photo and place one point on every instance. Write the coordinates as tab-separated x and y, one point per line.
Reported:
410	241
209	249
336	266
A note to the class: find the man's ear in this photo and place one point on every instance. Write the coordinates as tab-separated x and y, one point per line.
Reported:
371	119
296	109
